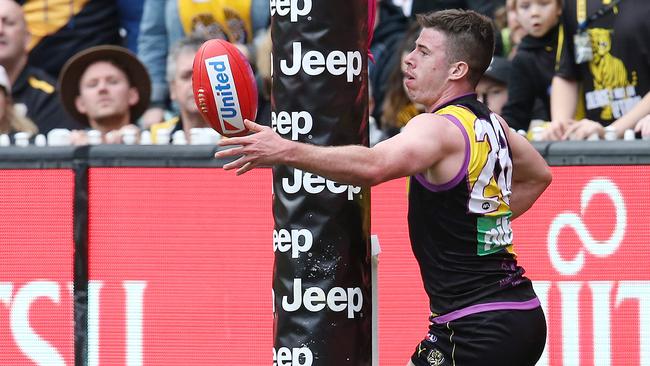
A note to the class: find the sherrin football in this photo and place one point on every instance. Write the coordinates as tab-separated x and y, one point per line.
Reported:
224	87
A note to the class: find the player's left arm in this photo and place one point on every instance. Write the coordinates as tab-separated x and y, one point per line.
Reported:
420	145
530	174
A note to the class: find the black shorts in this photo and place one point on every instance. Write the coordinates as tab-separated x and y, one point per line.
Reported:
491	338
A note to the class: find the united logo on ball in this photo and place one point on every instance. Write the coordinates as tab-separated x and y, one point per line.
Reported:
224	87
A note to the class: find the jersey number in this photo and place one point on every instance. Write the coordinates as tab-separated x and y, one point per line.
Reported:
498	165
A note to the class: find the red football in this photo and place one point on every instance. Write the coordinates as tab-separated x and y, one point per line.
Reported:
224	87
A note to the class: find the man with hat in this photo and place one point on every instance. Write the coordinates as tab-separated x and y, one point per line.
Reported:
105	88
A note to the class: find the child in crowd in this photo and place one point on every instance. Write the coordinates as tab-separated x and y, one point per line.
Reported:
533	66
492	89
510	31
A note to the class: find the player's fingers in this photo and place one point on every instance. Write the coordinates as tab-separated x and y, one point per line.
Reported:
228	152
232	141
242	161
233	164
237	163
248	166
252	126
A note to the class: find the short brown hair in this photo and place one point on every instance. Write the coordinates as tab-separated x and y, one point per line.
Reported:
470	38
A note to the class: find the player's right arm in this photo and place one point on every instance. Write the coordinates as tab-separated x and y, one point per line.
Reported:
424	142
530	174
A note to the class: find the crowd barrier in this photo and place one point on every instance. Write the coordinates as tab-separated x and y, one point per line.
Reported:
154	256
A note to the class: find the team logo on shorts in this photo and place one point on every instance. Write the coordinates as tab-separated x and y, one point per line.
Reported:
435	358
431	338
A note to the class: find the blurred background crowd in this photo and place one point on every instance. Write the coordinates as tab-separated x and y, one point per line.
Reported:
119	71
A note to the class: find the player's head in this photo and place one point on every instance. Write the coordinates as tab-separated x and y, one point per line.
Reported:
452	52
469	38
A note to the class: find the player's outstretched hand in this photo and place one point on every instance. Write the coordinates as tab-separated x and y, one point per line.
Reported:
262	147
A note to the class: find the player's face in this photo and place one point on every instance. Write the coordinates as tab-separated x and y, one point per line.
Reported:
14	36
105	93
427	68
537	17
181	86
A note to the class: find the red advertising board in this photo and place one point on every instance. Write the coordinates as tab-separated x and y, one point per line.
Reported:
585	244
180	265
36	267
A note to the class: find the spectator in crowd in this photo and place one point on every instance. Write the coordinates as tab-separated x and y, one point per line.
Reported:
604	67
637	118
33	90
513	33
492	89
390	25
10	121
503	32
130	15
533	66
397	107
179	77
60	29
105	88
164	22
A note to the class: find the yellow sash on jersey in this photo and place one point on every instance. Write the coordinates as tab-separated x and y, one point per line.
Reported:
229	19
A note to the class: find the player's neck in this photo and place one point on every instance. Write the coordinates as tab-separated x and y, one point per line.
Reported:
449	94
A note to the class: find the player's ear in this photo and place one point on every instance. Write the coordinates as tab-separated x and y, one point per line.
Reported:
458	70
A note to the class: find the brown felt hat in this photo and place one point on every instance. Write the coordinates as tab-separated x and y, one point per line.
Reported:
75	67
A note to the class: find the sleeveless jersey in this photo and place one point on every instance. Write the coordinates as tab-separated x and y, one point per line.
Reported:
460	231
